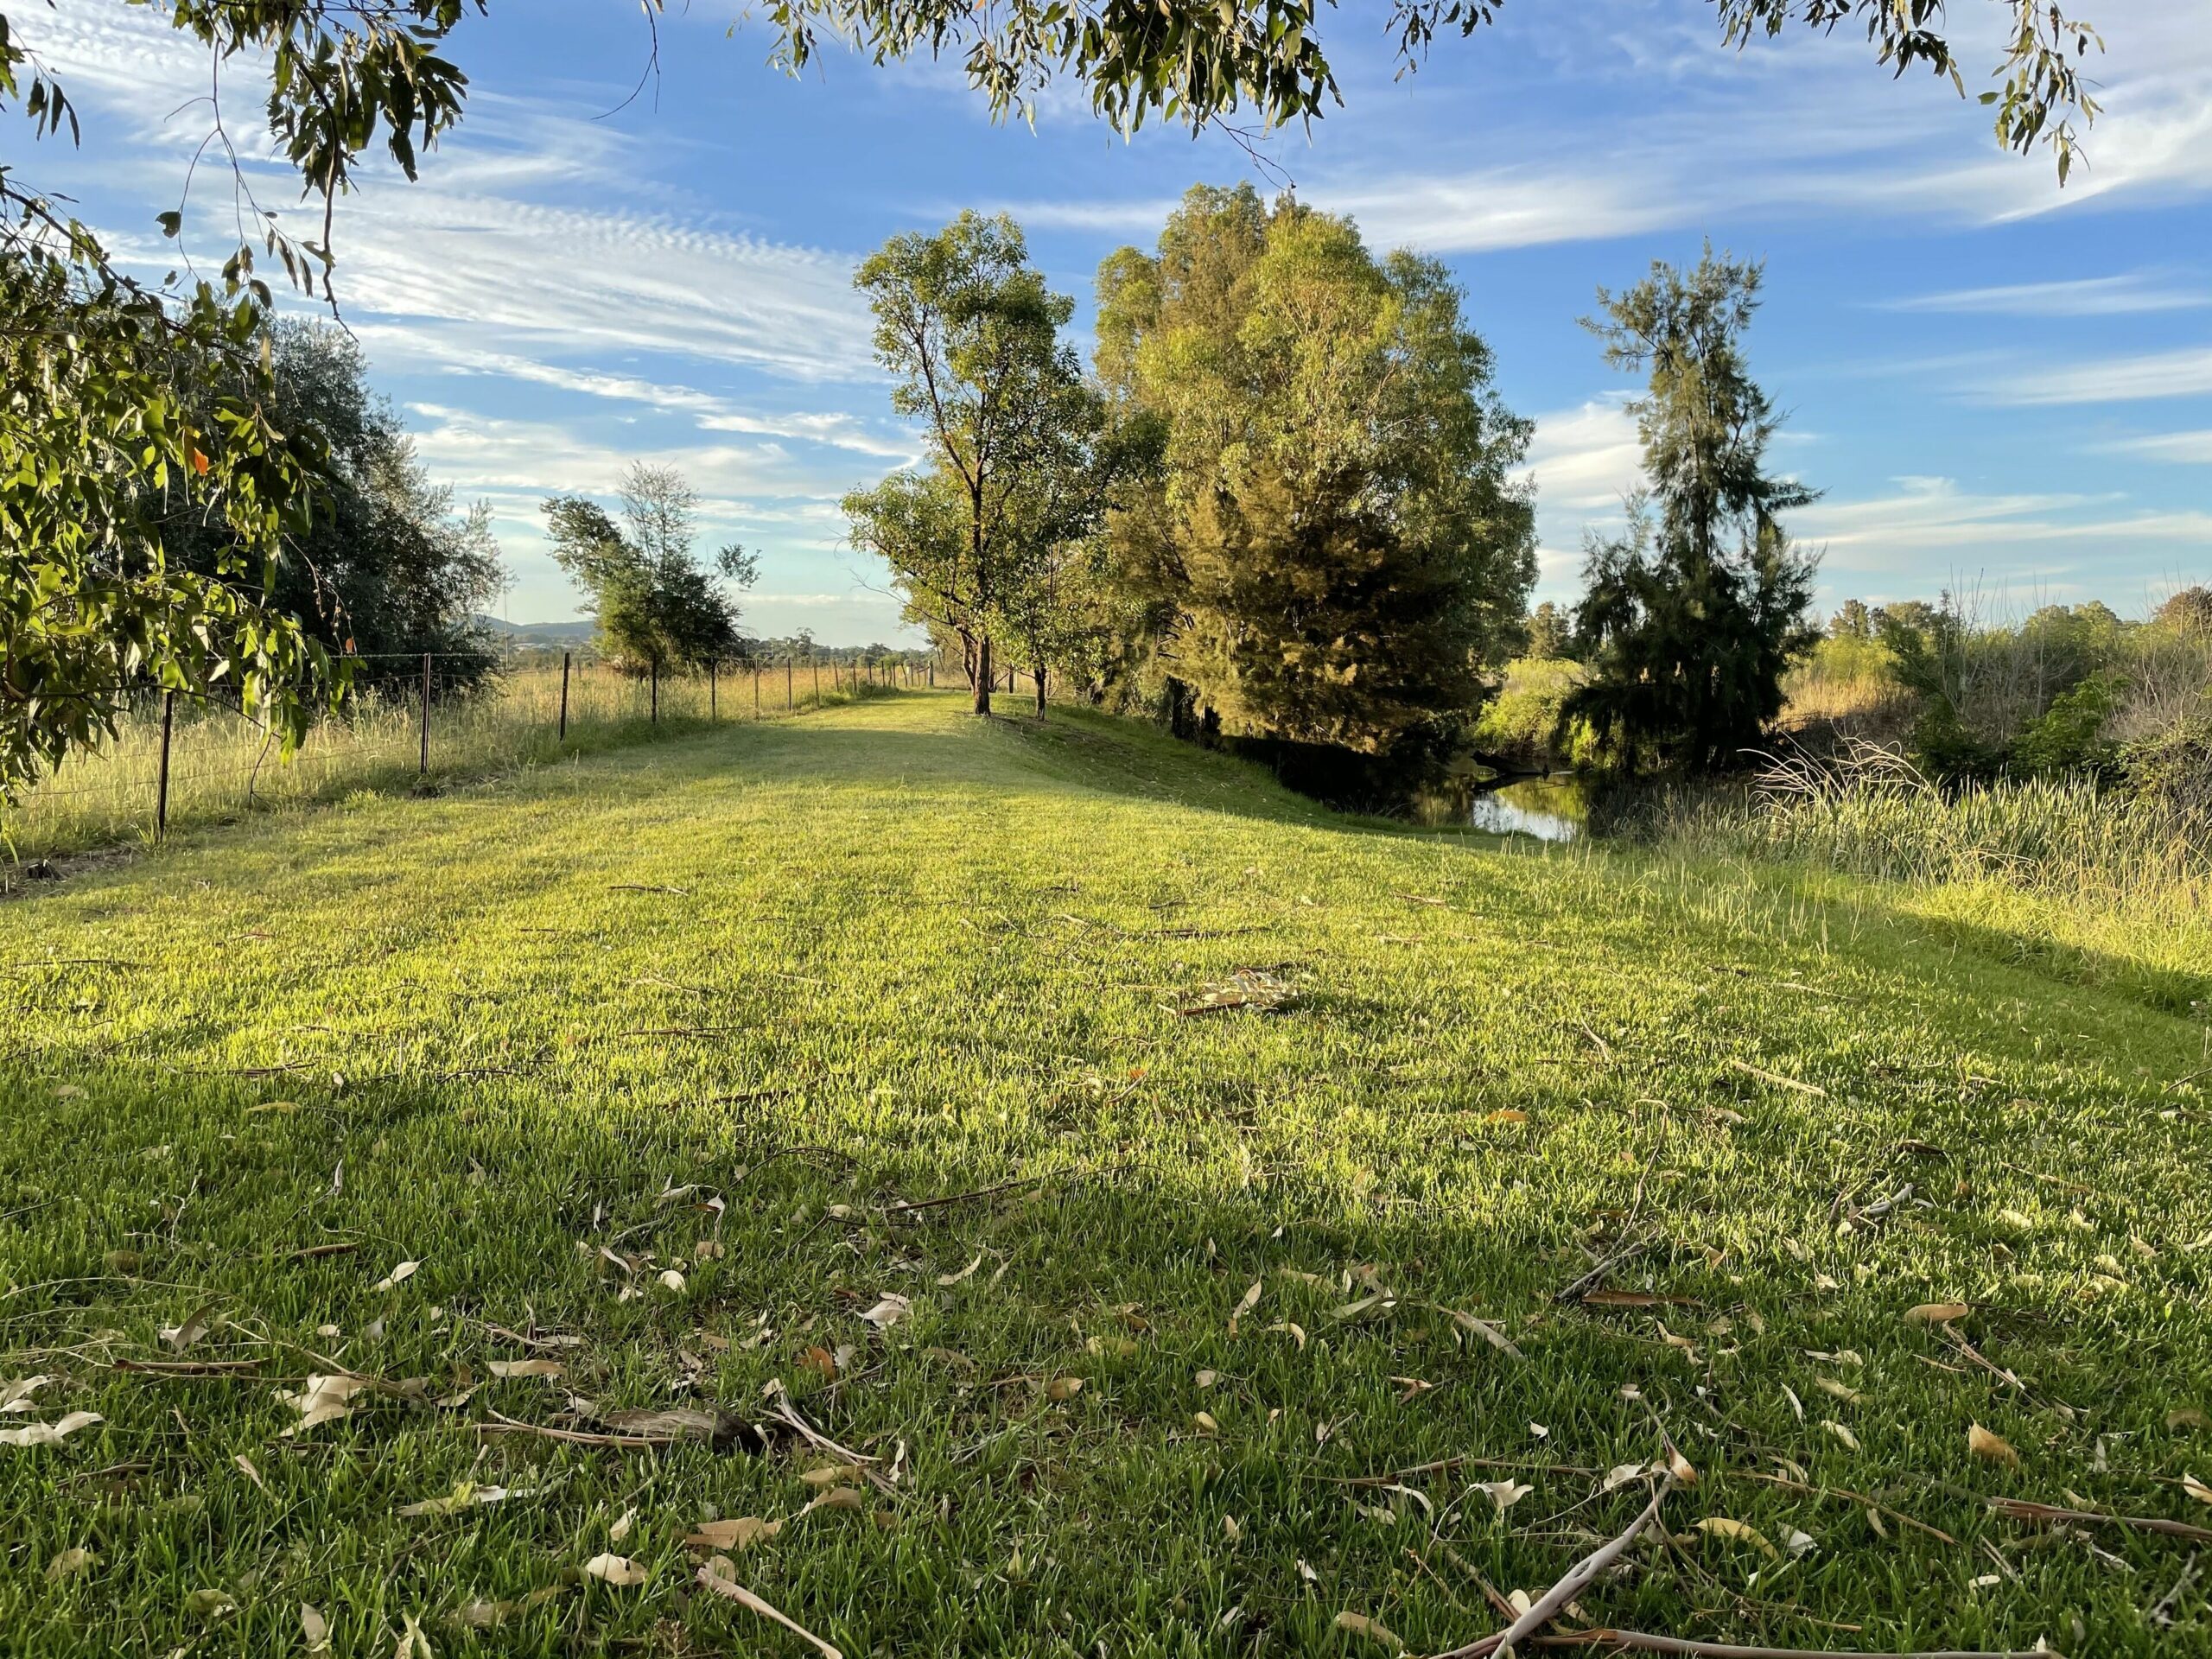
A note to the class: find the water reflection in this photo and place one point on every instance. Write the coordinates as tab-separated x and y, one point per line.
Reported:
1549	809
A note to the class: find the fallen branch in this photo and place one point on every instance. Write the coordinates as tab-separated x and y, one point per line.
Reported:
319	1252
731	1589
1597	1275
1854	1498
1643	1642
1444	1466
202	1368
822	1442
2021	1508
1571	1585
1778	1080
963	1197
504	1425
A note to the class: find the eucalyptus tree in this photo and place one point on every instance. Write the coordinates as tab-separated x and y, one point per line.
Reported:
971	337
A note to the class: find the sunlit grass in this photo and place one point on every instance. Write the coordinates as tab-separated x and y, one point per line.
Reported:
763	987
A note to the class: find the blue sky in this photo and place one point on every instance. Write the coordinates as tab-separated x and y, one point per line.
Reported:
2001	386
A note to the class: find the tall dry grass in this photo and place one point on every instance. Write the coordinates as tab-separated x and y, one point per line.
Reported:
222	766
2063	858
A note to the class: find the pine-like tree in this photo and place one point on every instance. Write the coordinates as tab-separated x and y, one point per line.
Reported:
1690	617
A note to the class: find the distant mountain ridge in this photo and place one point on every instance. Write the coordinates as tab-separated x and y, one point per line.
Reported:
537	634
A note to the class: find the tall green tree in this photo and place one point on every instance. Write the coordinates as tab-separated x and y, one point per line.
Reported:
971	337
656	605
1690	618
1336	549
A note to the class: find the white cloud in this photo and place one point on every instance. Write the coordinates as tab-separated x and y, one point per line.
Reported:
2185	448
1927	513
2094	296
2184	372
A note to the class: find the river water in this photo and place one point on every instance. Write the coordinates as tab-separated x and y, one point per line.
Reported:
1548	809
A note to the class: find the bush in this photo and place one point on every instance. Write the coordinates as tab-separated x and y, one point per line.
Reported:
1521	723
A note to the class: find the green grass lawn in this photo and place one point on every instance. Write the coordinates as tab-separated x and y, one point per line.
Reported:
664	1059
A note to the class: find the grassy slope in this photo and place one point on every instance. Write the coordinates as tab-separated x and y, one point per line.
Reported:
920	957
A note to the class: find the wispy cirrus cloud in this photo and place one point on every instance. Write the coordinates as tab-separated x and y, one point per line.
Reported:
2185	372
2093	297
2184	448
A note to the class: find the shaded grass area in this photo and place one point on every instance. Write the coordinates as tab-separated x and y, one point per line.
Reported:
763	988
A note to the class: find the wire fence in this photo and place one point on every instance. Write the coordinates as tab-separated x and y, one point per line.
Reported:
177	760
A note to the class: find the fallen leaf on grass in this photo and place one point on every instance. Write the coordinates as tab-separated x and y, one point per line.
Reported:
623	1524
1842	1432
2187	1417
1207	1379
890	1309
16	1396
741	1532
246	1467
618	1570
1720	1525
1842	1391
820	1361
50	1433
1483	1328
67	1564
1680	1468
1504	1493
412	1643
672	1279
1295	1331
1936	1313
315	1628
838	1497
1991	1448
324	1399
182	1336
1063	1388
1360	1624
715	1577
948	1280
1245	1304
545	1368
1506	1115
398	1275
209	1603
2195	1488
466	1496
1619	1476
1203	1421
831	1474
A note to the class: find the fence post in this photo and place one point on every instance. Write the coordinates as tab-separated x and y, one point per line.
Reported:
788	704
162	788
756	691
564	697
424	764
713	698
815	663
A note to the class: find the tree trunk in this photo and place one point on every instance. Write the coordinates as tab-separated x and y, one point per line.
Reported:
1039	672
983	674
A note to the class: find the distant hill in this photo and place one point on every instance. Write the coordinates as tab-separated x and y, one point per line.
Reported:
537	633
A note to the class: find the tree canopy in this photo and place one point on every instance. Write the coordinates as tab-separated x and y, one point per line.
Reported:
1337	547
657	606
970	336
1691	616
